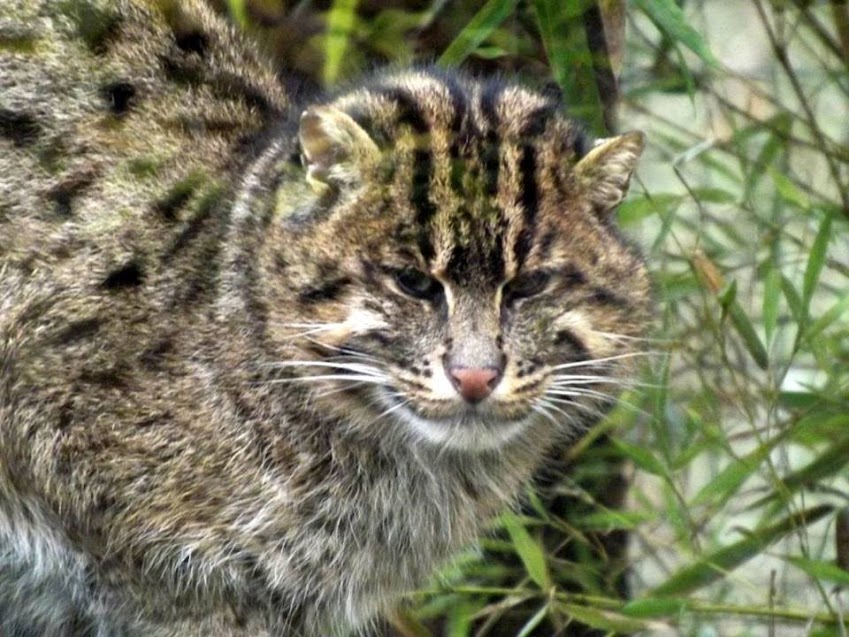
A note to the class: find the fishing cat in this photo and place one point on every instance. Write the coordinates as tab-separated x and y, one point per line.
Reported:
263	365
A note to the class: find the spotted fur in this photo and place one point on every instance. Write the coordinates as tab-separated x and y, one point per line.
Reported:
228	322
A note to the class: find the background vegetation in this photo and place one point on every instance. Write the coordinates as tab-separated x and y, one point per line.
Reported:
736	444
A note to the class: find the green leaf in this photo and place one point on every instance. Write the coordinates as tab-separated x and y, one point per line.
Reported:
238	10
788	191
611	520
726	483
772	294
816	260
564	37
827	465
603	619
715	566
780	126
479	28
670	20
639	207
794	301
747	332
340	25
654	607
642	457
528	550
460	618
533	622
831	315
715	195
821	570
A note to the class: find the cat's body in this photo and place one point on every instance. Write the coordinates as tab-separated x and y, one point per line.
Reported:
168	463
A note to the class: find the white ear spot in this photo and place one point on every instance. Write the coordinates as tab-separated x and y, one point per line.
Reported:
605	172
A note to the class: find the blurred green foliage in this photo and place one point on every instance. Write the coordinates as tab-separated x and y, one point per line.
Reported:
736	444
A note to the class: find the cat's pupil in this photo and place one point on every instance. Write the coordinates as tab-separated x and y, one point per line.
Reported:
417	284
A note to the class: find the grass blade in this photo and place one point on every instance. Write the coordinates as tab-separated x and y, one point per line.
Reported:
479	28
340	25
816	260
528	550
670	20
716	565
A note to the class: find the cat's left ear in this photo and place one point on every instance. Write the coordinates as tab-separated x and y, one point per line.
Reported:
335	148
605	172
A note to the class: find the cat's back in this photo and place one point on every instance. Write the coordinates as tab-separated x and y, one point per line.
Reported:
122	124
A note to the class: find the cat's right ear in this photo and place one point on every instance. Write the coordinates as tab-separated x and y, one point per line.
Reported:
605	172
335	149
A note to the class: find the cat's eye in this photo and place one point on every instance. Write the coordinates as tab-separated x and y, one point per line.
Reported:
526	285
417	284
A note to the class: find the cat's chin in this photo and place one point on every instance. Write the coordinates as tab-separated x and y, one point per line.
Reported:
467	431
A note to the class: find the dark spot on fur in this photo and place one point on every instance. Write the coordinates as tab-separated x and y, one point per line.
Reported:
153	358
170	205
182	70
327	291
546	243
112	378
571	275
71	187
154	420
65	416
603	296
21	128
97	27
380	336
128	276
78	330
119	96
192	41
568	338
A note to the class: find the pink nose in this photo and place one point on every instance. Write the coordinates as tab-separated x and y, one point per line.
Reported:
473	383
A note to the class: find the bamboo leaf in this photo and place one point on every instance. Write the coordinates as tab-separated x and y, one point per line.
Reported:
726	483
772	296
816	260
670	20
824	466
528	550
571	59
533	622
479	28
654	607
340	25
788	191
238	10
747	332
716	565
821	570
604	620
832	314
641	457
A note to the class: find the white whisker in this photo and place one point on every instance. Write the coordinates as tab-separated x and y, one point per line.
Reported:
596	361
324	377
359	368
631	339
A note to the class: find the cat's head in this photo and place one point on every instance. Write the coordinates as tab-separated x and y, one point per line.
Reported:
446	261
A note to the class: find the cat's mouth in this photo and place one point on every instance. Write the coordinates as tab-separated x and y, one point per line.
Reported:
478	427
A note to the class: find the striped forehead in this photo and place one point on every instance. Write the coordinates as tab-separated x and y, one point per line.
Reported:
468	158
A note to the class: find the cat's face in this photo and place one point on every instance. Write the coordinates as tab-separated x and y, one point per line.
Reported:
459	276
